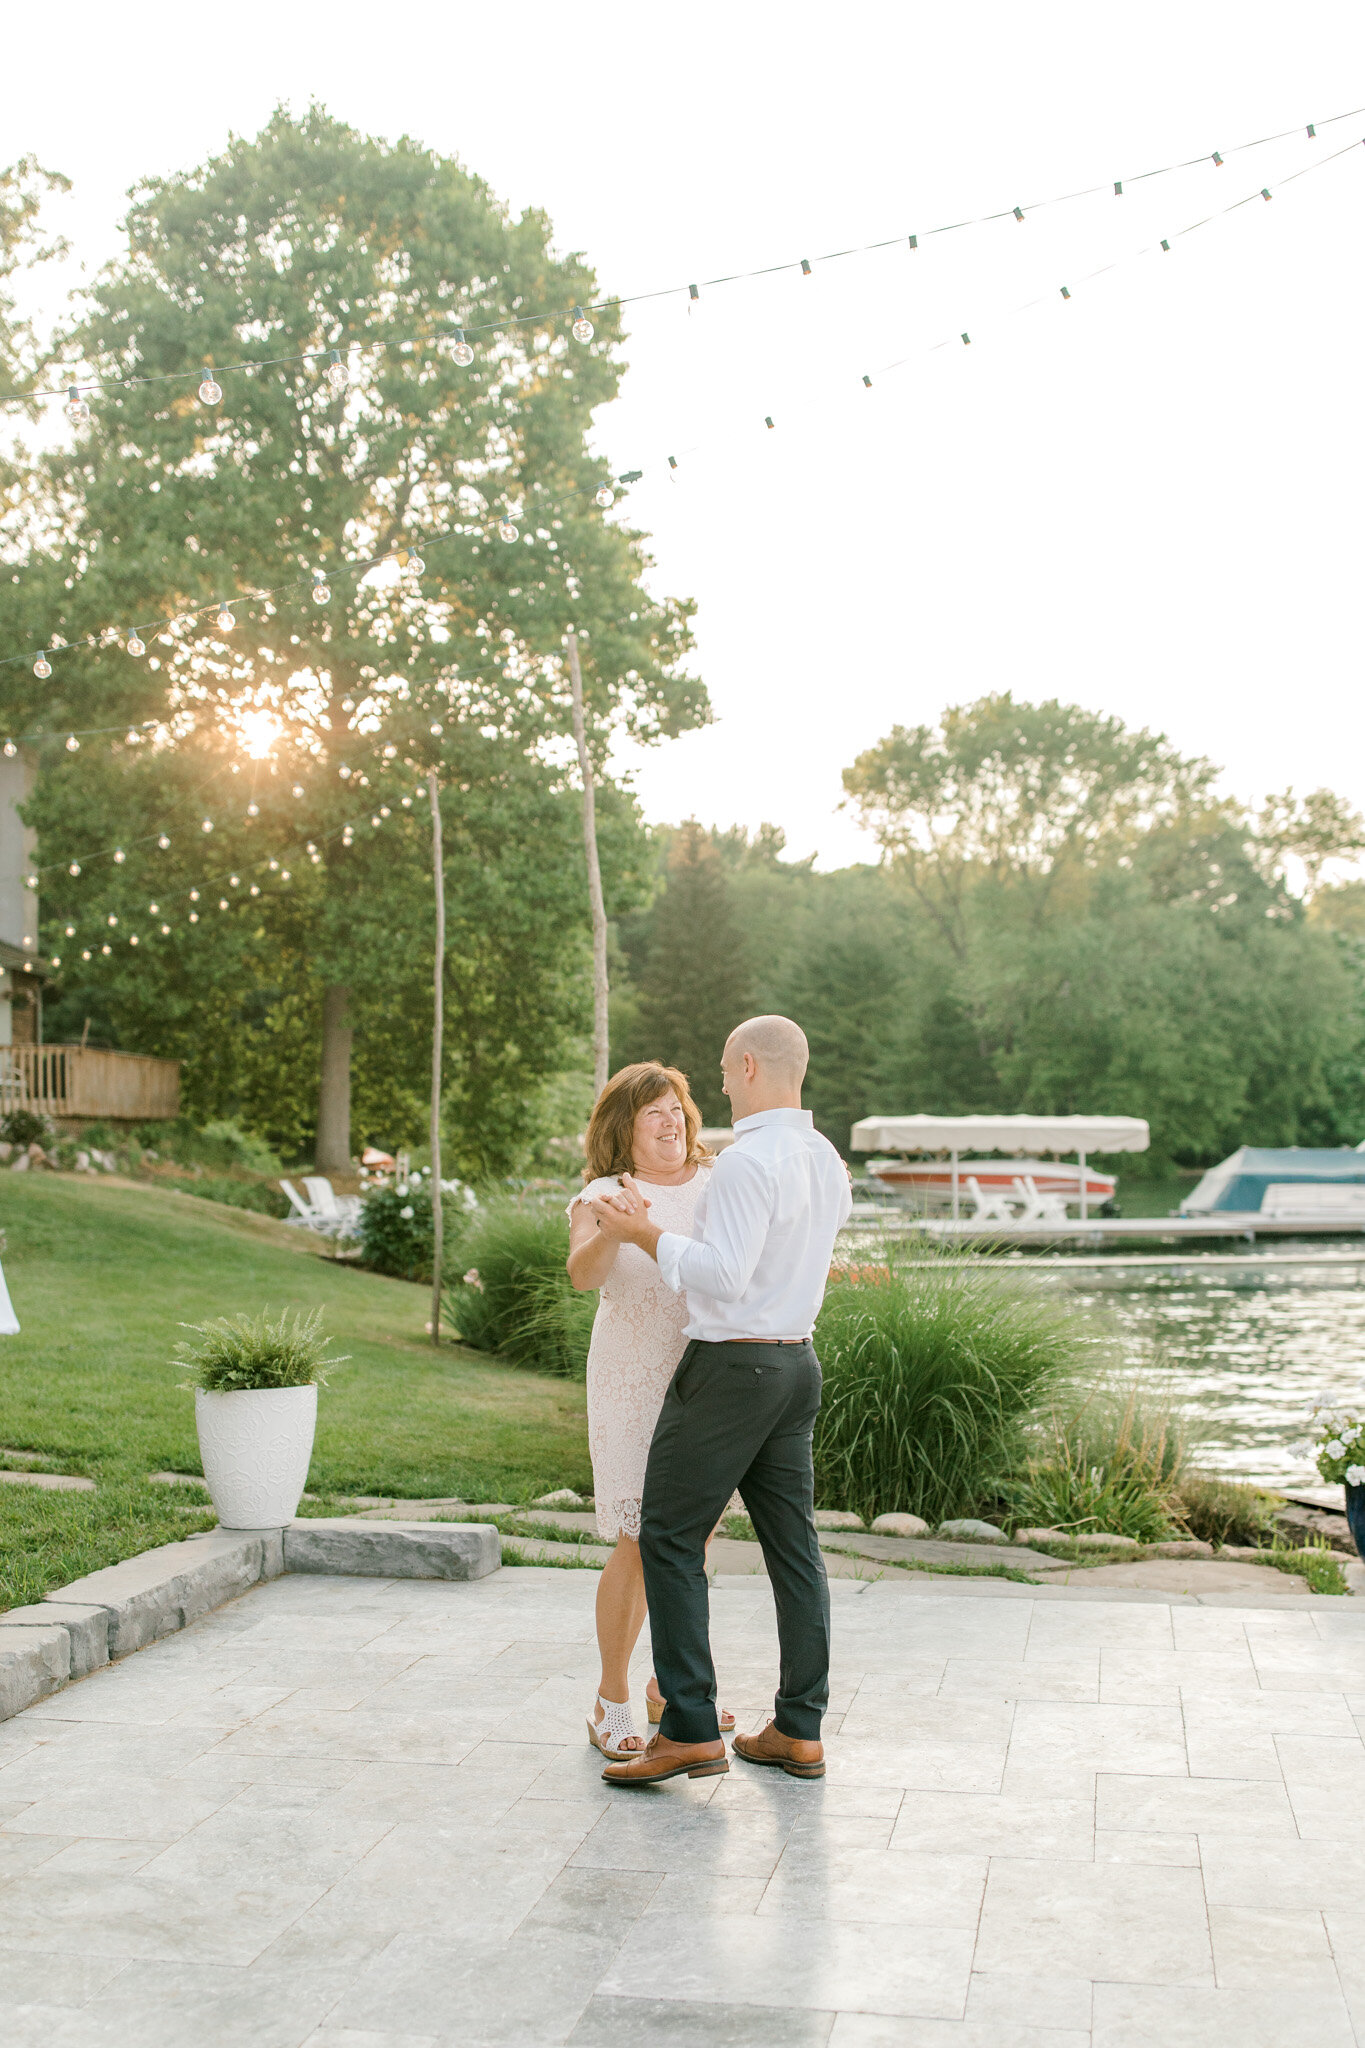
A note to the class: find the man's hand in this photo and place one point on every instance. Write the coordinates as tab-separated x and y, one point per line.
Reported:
624	1216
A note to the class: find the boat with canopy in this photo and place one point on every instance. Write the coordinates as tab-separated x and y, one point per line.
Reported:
1025	1139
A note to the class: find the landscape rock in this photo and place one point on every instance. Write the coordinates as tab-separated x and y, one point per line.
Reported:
564	1497
1097	1539
153	1595
33	1663
87	1628
1039	1538
900	1525
1185	1546
21	1164
970	1531
51	1482
386	1549
838	1518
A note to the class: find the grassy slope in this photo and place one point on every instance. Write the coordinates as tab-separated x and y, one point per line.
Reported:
102	1274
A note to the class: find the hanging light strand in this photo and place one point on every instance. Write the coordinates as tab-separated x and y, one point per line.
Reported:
800	266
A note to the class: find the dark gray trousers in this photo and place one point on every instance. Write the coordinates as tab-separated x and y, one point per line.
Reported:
735	1415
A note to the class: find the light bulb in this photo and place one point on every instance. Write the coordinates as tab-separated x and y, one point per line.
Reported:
73	745
416	564
119	855
207	825
111	918
222	903
73	867
56	960
131	737
582	326
606	497
106	949
194	917
132	938
135	645
71	931
209	391
42	668
86	954
194	895
463	353
165	931
226	621
321	594
336	371
505	528
253	810
77	411
436	731
154	909
163	842
235	881
10	750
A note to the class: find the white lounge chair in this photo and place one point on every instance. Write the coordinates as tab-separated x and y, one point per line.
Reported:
330	1214
1037	1207
304	1212
992	1208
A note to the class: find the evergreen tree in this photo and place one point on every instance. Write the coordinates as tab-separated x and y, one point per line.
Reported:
695	986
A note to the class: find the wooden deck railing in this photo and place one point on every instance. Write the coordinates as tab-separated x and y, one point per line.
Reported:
74	1080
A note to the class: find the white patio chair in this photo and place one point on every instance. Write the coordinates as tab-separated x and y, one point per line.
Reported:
992	1208
1037	1207
304	1211
322	1195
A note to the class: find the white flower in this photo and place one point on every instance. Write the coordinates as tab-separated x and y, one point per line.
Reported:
1334	1447
1355	1475
408	1213
471	1279
1348	1436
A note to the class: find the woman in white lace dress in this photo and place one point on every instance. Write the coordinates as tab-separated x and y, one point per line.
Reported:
645	1124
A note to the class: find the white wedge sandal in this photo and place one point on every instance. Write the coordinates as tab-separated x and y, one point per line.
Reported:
615	1727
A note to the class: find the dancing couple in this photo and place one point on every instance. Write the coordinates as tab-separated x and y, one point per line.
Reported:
702	1381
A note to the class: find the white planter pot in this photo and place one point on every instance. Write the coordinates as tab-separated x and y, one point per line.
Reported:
255	1446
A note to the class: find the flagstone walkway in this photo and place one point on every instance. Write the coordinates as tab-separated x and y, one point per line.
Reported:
356	1813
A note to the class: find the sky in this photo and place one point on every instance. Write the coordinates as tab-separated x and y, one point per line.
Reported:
1142	499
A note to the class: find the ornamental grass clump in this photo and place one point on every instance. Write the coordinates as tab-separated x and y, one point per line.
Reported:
1108	1462
931	1375
514	1296
239	1354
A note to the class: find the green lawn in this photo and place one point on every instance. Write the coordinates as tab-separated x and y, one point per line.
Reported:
102	1274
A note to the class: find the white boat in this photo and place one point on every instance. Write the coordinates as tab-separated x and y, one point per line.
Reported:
934	1177
993	1185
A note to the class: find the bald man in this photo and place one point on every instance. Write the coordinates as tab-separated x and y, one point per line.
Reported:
741	1407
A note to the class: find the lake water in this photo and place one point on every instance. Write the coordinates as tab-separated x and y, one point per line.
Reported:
1249	1355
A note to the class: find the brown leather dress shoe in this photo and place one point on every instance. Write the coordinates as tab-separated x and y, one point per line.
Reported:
784	1752
665	1759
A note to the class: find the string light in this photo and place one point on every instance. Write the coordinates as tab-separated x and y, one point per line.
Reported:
210	392
135	645
119	855
606	497
462	352
77	410
73	745
42	667
336	371
225	620
321	593
162	841
582	326
506	529
416	564
10	750
253	810
207	825
73	867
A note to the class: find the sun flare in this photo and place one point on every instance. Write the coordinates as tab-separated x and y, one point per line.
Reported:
259	731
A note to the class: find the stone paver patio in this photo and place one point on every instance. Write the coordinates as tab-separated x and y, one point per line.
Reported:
362	1813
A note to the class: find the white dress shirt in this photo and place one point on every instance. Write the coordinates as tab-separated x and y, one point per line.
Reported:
764	1232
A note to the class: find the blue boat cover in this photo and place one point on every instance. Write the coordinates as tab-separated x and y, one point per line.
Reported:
1240	1182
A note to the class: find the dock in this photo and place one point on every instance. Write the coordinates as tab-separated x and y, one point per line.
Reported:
1095	1232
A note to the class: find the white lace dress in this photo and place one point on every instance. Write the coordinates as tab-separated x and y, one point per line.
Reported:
637	1340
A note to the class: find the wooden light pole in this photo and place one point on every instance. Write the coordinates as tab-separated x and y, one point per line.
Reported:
437	1039
600	1030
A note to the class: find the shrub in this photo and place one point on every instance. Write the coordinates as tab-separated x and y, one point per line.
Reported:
22	1127
261	1196
931	1374
1109	1463
515	1297
396	1231
221	1143
241	1352
1224	1510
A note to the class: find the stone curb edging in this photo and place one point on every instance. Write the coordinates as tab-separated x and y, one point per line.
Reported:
110	1613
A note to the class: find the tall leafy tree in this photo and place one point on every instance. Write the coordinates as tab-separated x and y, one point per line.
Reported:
695	984
317	476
